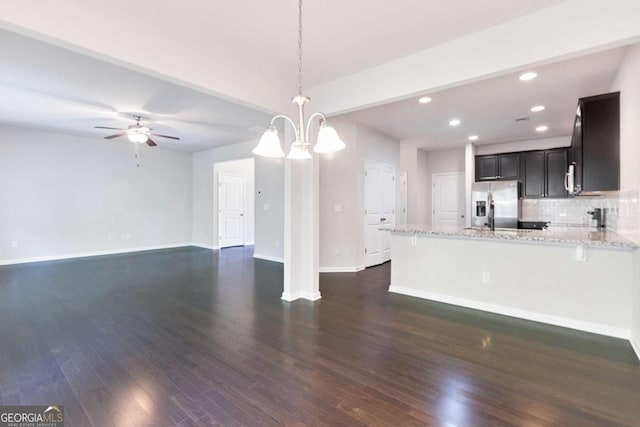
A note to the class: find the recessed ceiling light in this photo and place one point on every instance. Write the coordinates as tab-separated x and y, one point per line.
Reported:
528	76
473	138
454	122
542	128
537	108
425	100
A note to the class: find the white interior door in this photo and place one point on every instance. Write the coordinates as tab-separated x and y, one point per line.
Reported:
448	200
379	200
231	210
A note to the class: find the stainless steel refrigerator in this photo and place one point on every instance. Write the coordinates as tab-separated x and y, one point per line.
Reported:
506	204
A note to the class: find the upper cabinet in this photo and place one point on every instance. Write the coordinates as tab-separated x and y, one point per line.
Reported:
498	167
543	173
556	162
595	144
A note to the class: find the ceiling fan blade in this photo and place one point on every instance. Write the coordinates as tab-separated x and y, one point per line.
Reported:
165	136
105	127
151	143
117	135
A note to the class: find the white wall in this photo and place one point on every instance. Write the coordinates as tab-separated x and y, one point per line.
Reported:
339	186
409	165
414	162
423	188
64	195
342	183
628	83
269	198
525	145
246	168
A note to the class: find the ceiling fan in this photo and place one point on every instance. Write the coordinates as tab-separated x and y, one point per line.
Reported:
137	133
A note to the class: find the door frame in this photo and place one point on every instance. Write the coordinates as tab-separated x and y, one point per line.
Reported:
384	255
403	199
462	175
219	213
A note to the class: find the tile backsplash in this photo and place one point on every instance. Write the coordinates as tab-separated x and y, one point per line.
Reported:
623	211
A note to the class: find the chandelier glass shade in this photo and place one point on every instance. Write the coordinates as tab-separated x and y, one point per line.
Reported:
269	144
328	140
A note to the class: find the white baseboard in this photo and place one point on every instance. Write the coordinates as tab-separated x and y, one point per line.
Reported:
341	269
292	296
91	254
580	325
205	246
249	243
636	347
311	296
269	258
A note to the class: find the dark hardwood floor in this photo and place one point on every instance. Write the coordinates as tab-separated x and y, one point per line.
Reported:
193	337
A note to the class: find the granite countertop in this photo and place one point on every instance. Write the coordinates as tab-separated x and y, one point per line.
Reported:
564	235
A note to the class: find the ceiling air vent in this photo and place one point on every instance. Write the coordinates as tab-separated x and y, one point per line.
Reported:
522	119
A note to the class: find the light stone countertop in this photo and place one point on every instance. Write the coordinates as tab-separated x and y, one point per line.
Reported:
566	235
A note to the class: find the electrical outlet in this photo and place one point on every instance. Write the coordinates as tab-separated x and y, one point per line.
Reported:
266	207
486	277
581	253
336	250
110	239
128	236
337	208
277	243
414	240
14	244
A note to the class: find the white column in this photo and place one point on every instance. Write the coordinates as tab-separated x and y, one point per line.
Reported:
469	178
301	236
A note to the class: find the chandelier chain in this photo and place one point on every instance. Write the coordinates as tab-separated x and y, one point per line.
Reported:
300	47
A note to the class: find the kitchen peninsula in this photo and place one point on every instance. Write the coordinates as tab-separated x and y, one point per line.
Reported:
567	277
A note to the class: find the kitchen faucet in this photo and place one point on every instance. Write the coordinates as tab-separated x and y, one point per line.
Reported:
600	216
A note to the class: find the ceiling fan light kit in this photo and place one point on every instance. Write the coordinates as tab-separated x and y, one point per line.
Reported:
138	137
136	133
328	140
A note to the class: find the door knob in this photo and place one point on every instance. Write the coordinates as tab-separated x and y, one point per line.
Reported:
241	214
383	219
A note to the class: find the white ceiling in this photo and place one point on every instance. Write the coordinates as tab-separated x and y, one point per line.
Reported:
50	88
340	37
251	44
489	108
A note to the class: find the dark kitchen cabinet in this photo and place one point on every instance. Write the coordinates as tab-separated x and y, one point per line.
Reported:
533	174
498	167
509	166
556	162
543	173
595	144
486	168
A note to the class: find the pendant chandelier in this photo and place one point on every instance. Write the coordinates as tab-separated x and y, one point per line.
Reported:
328	139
